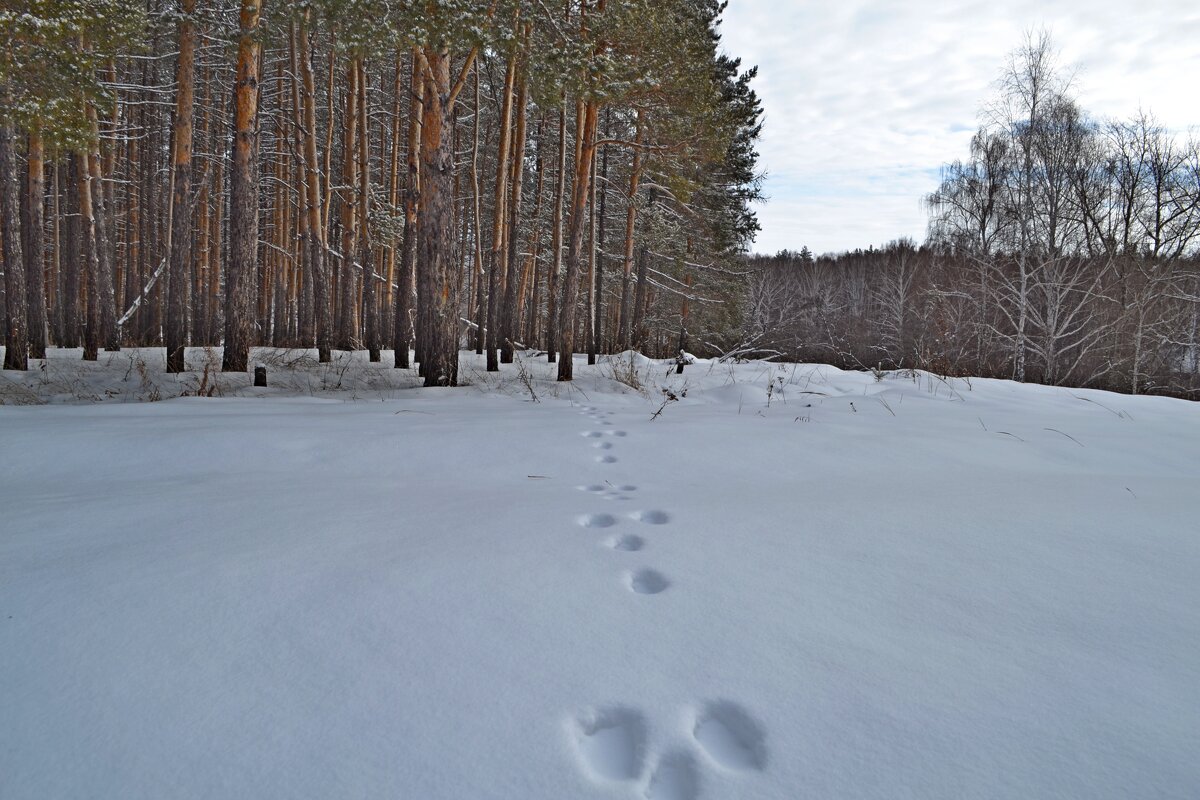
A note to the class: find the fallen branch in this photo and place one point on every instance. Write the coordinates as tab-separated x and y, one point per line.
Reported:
144	293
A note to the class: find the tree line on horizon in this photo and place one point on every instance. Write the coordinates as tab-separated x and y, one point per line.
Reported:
1063	250
570	176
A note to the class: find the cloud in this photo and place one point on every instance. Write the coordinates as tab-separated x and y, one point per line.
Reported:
865	100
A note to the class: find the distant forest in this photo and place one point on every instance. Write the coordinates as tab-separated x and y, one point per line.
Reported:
570	177
1063	250
359	174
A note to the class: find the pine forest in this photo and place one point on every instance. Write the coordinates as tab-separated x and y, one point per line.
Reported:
366	175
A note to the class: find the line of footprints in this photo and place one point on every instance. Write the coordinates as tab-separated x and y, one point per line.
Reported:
611	742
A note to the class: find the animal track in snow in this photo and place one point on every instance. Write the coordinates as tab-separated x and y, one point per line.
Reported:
597	520
626	487
653	517
612	433
647	581
592	434
730	737
674	778
603	445
611	743
606	459
628	543
594	488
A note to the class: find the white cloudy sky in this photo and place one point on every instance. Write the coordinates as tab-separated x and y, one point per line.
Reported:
866	99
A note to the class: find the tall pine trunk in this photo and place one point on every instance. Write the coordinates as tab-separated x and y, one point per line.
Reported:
73	255
436	264
556	235
389	298
478	267
635	176
35	245
365	255
508	317
16	334
586	112
585	149
347	280
496	269
408	245
306	331
202	260
314	230
106	302
599	328
90	260
593	292
530	312
179	294
217	220
55	284
241	273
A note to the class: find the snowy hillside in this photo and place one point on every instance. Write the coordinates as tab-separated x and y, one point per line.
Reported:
841	586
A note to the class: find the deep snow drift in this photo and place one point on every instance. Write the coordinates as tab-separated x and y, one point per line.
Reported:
842	587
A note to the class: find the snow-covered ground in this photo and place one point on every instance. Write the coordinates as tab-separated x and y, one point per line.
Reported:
345	586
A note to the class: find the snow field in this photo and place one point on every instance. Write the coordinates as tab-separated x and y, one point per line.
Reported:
848	588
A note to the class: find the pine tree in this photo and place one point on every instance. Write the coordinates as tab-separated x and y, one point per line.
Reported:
241	271
302	263
16	335
179	288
